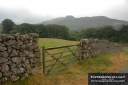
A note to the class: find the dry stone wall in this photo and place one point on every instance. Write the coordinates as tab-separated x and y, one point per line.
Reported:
19	54
89	48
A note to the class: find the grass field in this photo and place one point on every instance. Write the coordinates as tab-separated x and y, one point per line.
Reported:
76	74
50	42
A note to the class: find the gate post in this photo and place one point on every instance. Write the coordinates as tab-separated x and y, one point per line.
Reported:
43	59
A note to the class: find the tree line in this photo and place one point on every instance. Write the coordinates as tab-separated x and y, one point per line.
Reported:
62	32
44	31
107	33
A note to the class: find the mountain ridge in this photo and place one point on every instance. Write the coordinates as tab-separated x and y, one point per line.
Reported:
85	22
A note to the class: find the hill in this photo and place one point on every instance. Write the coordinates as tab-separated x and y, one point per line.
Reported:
84	22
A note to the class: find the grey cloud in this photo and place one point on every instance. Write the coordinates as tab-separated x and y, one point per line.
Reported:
120	12
22	16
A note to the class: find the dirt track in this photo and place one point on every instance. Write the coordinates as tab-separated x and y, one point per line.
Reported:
125	68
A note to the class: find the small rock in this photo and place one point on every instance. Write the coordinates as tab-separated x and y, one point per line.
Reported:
9	49
10	42
20	70
8	62
7	73
15	59
2	59
37	49
3	48
14	53
22	59
0	74
2	45
34	47
4	80
19	42
14	70
24	76
12	65
31	55
5	68
15	78
23	54
37	54
4	54
15	46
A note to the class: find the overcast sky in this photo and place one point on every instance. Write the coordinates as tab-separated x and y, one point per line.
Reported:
37	11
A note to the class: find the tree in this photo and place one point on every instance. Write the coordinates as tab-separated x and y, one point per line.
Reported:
26	28
8	26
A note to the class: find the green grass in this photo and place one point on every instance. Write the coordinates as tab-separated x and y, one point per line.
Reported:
51	42
97	64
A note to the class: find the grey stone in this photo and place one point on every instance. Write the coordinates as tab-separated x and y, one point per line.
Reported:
26	36
26	52
4	37
0	74
5	68
9	49
22	59
37	54
10	42
34	47
15	78
11	37
8	62
20	70
32	60
31	55
22	39
35	39
14	70
35	43
2	59
34	35
16	46
37	49
3	48
15	59
12	65
19	42
23	46
18	63
7	73
4	54
4	79
23	54
24	76
27	65
2	44
25	42
14	53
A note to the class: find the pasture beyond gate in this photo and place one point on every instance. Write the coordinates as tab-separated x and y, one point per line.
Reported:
57	58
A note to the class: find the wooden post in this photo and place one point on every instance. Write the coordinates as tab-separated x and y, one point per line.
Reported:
43	59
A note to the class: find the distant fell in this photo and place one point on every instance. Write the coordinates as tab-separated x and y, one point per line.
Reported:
84	22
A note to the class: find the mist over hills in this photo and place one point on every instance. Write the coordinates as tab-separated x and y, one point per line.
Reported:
84	22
